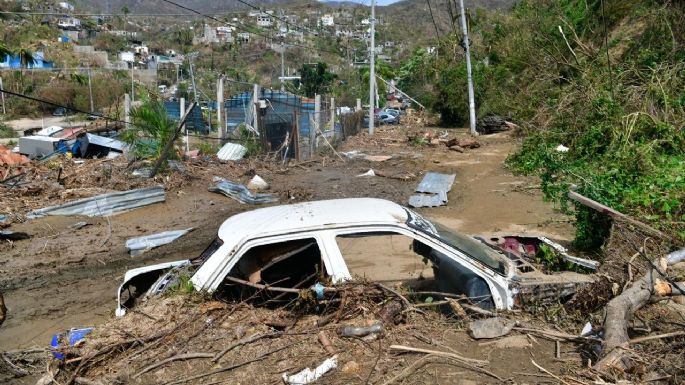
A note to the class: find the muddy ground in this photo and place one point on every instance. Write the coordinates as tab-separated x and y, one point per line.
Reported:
64	278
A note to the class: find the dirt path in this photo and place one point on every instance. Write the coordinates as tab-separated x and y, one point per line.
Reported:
64	278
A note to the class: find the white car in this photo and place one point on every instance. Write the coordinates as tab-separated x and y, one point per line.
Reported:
333	241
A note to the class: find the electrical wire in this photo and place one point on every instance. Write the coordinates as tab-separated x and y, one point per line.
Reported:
2	90
437	34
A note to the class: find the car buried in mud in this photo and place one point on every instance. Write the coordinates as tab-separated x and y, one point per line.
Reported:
307	245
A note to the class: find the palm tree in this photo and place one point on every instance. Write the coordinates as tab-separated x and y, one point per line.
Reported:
4	50
152	128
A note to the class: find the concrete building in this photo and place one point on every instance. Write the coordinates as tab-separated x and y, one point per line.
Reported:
326	21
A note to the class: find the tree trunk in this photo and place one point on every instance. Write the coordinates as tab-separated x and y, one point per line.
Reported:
620	310
3	309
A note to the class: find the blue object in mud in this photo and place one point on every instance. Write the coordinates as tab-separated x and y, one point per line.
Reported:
72	336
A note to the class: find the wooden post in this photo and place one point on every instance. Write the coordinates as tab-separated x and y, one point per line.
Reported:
333	115
317	124
182	109
127	109
296	134
359	105
255	100
2	94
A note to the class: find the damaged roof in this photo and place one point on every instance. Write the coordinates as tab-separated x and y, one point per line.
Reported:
311	215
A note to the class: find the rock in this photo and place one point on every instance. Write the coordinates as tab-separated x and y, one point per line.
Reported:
257	184
351	367
468	143
493	124
434	142
491	327
457	148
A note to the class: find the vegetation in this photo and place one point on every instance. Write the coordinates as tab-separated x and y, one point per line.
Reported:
620	109
7	131
152	129
315	79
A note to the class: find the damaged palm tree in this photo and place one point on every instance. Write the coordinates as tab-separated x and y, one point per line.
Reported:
153	132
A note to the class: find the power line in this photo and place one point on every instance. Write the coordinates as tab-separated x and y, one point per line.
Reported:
437	34
32	13
241	28
61	106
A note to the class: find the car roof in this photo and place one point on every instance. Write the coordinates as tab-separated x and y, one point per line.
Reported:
314	215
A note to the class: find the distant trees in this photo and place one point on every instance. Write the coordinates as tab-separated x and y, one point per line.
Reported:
315	79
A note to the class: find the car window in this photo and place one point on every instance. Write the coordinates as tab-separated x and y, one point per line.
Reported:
294	263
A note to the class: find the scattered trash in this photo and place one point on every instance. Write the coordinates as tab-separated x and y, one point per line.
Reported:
562	148
587	329
432	190
354	331
491	327
308	375
50	131
70	338
368	173
4	220
176	165
139	245
520	245
371	158
257	183
192	154
105	204
40	146
79	225
90	145
231	151
13	235
240	193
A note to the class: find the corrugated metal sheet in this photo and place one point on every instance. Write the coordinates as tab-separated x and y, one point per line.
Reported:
139	245
432	190
240	193
232	151
114	144
105	204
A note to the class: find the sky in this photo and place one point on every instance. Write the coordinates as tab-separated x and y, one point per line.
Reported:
368	2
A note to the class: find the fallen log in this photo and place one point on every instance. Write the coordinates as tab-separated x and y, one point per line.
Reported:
620	310
3	309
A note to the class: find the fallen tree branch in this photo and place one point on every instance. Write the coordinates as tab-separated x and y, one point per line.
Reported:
439	353
244	341
178	357
656	337
273	288
232	367
620	310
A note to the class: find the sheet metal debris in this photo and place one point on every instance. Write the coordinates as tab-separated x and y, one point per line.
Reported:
240	193
308	375
13	235
432	191
105	204
491	327
231	151
139	245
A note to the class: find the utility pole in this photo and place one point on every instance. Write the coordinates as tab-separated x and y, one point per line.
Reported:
192	77
372	63
282	67
182	113
2	94
90	90
467	49
220	107
133	86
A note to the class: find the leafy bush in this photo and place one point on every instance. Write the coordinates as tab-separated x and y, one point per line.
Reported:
7	131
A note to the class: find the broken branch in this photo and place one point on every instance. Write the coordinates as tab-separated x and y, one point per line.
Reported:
178	357
439	353
244	341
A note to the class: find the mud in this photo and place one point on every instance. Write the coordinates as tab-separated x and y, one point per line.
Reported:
64	278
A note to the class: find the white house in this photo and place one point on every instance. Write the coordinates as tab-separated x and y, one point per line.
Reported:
264	20
243	37
66	6
69	23
366	22
141	50
326	21
127	56
224	34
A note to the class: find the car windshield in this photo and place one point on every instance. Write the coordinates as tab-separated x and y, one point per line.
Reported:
458	241
472	247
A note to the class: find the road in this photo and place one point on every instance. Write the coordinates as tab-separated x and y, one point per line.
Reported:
24	124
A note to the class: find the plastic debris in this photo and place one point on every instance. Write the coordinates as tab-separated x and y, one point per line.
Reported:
562	148
308	375
432	191
231	151
491	327
105	204
587	329
354	331
139	245
368	173
70	338
257	183
240	193
13	235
